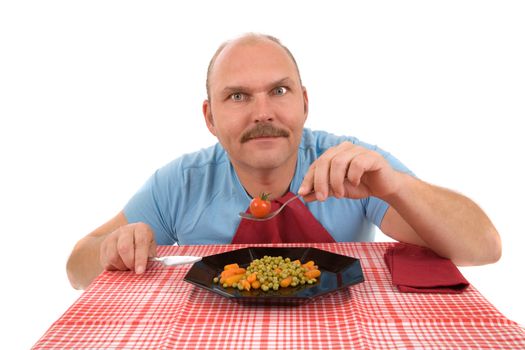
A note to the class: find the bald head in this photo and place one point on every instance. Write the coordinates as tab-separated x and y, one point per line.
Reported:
246	39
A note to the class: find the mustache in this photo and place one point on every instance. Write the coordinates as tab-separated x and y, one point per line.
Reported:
263	130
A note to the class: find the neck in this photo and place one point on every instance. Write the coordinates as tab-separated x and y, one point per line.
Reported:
274	181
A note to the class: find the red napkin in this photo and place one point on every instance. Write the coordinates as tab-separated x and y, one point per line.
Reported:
295	224
416	269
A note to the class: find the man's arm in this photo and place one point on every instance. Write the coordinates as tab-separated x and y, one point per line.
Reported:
116	245
448	223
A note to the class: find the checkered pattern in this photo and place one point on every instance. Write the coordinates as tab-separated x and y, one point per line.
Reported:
158	310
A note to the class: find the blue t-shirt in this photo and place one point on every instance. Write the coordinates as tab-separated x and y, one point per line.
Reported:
195	198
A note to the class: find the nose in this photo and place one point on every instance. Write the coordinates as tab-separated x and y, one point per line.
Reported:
262	109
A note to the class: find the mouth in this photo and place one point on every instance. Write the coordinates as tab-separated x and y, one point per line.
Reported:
263	138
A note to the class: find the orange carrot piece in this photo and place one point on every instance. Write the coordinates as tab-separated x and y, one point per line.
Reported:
231	272
312	274
297	262
309	263
285	282
231	266
256	284
246	285
233	279
252	277
278	270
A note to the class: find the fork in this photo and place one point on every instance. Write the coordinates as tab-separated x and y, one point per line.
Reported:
175	259
270	215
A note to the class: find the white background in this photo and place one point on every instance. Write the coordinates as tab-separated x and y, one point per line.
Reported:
94	96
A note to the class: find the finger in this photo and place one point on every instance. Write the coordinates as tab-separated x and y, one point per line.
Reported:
143	238
339	167
359	165
321	178
153	249
307	185
310	197
356	192
337	174
125	247
109	257
322	173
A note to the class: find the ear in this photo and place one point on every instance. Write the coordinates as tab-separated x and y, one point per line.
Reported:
208	117
305	99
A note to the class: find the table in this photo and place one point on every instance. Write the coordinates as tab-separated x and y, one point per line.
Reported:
158	310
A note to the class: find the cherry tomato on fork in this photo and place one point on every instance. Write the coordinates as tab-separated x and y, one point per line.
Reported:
260	206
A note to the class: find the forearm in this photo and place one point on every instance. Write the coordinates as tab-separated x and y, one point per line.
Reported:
83	265
449	223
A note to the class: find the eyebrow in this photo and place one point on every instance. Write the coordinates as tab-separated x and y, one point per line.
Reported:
236	88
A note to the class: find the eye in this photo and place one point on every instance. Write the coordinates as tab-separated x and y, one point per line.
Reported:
237	96
280	91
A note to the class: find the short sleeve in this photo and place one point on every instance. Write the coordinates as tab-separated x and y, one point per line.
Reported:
153	204
375	209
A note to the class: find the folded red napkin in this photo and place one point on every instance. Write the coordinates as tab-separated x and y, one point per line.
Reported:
295	224
416	269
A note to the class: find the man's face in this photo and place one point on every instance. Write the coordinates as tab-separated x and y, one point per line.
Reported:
258	106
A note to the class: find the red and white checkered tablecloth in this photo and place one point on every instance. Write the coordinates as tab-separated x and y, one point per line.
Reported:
158	310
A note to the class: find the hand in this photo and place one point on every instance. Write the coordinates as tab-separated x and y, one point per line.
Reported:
128	248
350	171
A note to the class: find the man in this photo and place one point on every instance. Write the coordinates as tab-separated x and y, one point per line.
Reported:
257	107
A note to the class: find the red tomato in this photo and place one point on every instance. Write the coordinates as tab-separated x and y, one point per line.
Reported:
260	206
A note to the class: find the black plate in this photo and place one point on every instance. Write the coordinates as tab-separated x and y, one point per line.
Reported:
337	272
